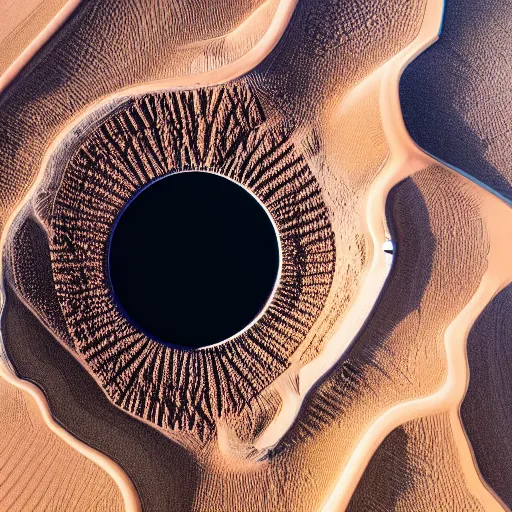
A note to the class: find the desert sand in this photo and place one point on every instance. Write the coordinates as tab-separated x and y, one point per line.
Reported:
485	409
39	471
437	481
465	126
352	361
25	27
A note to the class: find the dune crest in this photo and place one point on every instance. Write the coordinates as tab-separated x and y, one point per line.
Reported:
332	361
404	158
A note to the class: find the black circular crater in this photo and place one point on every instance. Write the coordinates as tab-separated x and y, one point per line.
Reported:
193	259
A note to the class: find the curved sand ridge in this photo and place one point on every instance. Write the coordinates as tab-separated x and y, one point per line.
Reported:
449	397
233	70
406	158
37	43
130	498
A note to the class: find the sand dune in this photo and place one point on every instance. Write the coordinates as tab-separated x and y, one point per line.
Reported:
24	29
299	104
466	125
38	470
416	468
488	281
486	407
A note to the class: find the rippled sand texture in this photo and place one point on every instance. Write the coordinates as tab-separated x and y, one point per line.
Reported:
21	23
487	408
415	469
39	471
467	125
449	239
288	415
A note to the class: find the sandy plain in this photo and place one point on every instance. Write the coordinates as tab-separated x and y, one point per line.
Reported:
39	471
409	362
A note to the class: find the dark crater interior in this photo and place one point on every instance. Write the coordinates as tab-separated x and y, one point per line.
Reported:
193	259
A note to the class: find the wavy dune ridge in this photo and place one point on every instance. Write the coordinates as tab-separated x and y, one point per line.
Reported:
39	472
25	28
403	159
436	482
450	396
262	17
324	367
